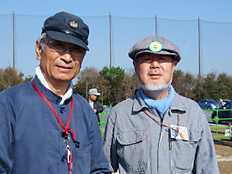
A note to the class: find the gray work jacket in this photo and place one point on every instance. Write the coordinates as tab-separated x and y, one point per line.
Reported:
135	143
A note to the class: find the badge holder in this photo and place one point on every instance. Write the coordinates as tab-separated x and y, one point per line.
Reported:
69	155
181	134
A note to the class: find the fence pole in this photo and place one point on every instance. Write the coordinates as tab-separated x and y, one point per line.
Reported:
110	39
155	24
199	45
13	42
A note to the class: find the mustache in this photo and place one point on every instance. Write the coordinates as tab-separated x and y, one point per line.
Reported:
155	71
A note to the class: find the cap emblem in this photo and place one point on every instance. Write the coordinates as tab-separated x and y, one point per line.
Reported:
73	24
155	46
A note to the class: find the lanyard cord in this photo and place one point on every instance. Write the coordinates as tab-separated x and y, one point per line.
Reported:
181	134
67	128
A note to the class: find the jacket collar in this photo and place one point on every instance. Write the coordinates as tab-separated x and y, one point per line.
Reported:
66	96
139	104
178	103
51	96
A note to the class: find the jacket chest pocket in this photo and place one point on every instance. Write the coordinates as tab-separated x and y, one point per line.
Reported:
183	152
132	149
82	159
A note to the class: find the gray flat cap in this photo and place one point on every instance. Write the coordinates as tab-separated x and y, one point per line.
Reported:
94	92
155	45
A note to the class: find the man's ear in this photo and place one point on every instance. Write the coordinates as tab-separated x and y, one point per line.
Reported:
135	66
38	50
174	65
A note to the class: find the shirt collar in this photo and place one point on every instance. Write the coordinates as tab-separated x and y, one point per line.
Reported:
66	96
178	102
160	105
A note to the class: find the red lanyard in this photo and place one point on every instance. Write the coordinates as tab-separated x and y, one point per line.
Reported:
67	128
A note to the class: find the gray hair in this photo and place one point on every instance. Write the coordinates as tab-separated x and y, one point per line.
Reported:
42	40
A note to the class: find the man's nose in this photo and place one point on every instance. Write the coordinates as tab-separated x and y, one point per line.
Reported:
66	55
154	64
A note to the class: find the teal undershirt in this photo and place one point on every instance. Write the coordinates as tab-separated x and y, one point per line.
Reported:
160	105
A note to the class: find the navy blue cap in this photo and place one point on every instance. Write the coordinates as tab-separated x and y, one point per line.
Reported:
67	27
155	45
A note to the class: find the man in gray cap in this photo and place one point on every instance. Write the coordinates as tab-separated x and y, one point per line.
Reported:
45	126
94	103
157	130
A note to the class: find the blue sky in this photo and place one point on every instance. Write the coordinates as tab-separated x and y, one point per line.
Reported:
182	30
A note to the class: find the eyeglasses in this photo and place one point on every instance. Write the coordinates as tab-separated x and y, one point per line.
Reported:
61	47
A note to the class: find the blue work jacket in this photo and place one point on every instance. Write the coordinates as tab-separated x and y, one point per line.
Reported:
31	139
136	144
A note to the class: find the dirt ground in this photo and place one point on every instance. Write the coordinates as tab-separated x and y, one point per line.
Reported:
223	147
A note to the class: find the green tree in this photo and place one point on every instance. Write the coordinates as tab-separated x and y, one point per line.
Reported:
86	79
188	85
10	77
209	85
27	79
177	81
183	83
223	85
130	83
114	77
198	90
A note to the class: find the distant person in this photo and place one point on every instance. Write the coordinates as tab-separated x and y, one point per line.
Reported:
157	131
94	103
221	102
45	127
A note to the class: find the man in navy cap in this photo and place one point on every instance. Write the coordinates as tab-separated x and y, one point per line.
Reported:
45	126
157	130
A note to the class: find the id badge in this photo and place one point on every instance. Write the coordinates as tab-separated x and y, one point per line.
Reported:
176	135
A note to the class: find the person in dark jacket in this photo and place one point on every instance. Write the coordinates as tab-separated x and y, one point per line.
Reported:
94	103
45	127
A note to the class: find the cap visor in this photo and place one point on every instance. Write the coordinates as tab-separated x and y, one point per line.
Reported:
162	52
67	38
